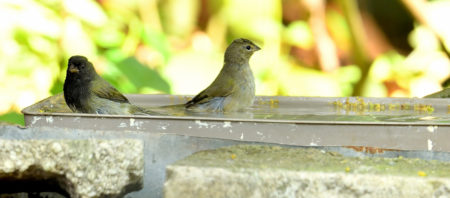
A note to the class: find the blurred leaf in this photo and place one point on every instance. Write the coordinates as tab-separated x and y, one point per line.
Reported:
347	77
298	33
158	41
381	69
179	17
398	68
47	49
113	75
374	89
438	13
339	29
298	81
51	4
115	55
39	45
57	87
422	38
109	36
133	38
21	36
191	71
349	74
76	41
121	82
13	117
262	21
87	10
23	67
142	76
33	17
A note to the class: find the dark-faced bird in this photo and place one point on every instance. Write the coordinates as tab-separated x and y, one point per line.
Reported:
86	92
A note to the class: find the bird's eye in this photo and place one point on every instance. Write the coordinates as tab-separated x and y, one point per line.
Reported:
248	47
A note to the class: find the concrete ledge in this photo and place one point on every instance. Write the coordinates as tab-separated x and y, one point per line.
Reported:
160	149
83	168
268	171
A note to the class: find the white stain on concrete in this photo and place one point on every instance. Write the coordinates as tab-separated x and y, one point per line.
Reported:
261	134
122	125
312	144
242	136
430	144
134	123
35	119
432	129
132	120
201	124
226	124
49	119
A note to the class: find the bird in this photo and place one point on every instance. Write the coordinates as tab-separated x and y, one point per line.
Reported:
445	93
234	87
86	92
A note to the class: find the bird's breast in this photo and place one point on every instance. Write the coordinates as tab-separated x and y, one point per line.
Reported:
244	91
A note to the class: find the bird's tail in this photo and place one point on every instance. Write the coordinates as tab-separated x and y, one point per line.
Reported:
175	110
136	110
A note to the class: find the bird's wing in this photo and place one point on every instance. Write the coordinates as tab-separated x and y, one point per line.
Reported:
103	89
222	86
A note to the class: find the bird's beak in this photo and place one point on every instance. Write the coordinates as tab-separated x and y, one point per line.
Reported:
73	69
257	48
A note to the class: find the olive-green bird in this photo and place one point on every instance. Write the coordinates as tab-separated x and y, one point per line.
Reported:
445	93
234	87
86	92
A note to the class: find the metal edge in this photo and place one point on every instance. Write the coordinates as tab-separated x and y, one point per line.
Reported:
239	119
441	101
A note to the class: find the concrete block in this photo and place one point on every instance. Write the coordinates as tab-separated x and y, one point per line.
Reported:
272	171
83	168
160	149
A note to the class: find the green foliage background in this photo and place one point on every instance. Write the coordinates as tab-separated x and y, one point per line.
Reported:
176	47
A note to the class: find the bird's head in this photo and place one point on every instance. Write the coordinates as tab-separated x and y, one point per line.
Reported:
240	50
79	66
